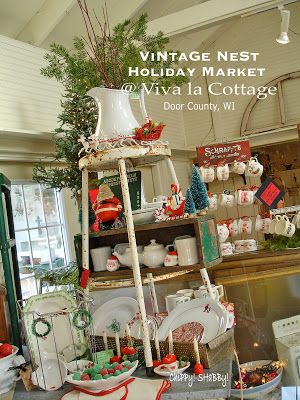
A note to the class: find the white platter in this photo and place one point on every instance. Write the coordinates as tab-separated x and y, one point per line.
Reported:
113	316
136	327
167	373
206	312
63	334
102	384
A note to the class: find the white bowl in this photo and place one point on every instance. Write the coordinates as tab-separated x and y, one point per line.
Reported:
154	205
50	375
145	216
103	384
166	372
8	378
261	390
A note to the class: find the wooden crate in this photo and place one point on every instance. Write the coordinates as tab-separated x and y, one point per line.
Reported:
210	354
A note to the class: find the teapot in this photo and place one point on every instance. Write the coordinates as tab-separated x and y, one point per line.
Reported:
123	253
154	254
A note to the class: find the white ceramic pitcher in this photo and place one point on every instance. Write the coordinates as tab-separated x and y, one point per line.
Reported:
115	117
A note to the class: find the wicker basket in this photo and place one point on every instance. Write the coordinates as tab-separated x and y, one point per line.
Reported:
210	354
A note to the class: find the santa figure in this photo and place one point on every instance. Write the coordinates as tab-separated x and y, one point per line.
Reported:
106	206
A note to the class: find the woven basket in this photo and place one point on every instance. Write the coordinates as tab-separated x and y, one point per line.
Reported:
210	354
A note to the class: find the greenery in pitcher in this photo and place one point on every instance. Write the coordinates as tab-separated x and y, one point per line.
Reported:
102	59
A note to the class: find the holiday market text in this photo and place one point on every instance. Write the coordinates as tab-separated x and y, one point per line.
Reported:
214	88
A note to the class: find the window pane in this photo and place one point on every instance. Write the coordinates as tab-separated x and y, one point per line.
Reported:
34	208
24	254
56	247
18	207
50	207
40	250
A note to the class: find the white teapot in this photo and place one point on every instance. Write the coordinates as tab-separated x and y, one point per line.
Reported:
154	254
123	253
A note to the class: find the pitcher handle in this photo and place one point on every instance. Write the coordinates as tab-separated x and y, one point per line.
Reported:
143	105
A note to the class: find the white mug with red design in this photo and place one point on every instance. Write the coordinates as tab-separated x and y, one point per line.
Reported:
238	167
227	248
254	167
245	225
234	228
223	232
213	202
262	224
207	174
227	200
245	197
223	172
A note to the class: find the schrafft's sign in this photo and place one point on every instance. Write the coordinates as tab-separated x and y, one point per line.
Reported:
223	153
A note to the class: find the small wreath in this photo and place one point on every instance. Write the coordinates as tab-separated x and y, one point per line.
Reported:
82	324
45	323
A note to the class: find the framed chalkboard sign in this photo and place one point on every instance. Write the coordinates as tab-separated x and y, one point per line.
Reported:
211	251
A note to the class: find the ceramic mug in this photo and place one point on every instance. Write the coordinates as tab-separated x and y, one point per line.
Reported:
284	227
245	197
245	225
238	167
100	256
207	174
172	300
227	200
254	168
227	248
262	224
186	292
223	232
213	202
223	172
273	224
187	250
217	292
233	228
296	220
250	245
239	246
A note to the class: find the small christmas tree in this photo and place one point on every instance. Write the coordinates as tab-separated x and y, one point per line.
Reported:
92	216
189	204
198	191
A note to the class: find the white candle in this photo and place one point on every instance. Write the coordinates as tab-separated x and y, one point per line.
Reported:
105	340
196	350
171	348
157	348
128	334
118	345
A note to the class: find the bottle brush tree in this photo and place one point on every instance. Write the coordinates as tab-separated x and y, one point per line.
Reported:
198	191
189	207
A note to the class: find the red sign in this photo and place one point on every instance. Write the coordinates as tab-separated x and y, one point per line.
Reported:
223	153
269	193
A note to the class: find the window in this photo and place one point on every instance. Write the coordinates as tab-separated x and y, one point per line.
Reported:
40	232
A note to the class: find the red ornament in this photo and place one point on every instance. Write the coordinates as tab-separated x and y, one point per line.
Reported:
128	351
169	359
85	275
115	359
156	363
271	376
85	377
6	350
198	369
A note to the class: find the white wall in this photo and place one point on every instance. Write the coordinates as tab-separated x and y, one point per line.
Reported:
255	33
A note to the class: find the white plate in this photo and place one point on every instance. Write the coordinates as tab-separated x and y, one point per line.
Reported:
166	373
63	334
102	384
113	316
207	312
136	327
261	390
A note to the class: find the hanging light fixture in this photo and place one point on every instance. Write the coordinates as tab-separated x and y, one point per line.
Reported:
283	38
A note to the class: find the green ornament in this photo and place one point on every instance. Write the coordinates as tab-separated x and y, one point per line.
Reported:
77	376
40	321
81	325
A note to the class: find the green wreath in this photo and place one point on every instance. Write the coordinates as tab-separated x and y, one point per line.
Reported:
42	321
82	324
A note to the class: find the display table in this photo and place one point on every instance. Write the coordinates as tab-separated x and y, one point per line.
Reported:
186	389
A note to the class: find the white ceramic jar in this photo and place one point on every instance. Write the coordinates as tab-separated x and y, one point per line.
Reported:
8	378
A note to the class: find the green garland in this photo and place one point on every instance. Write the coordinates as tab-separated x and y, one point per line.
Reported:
81	325
278	242
42	321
